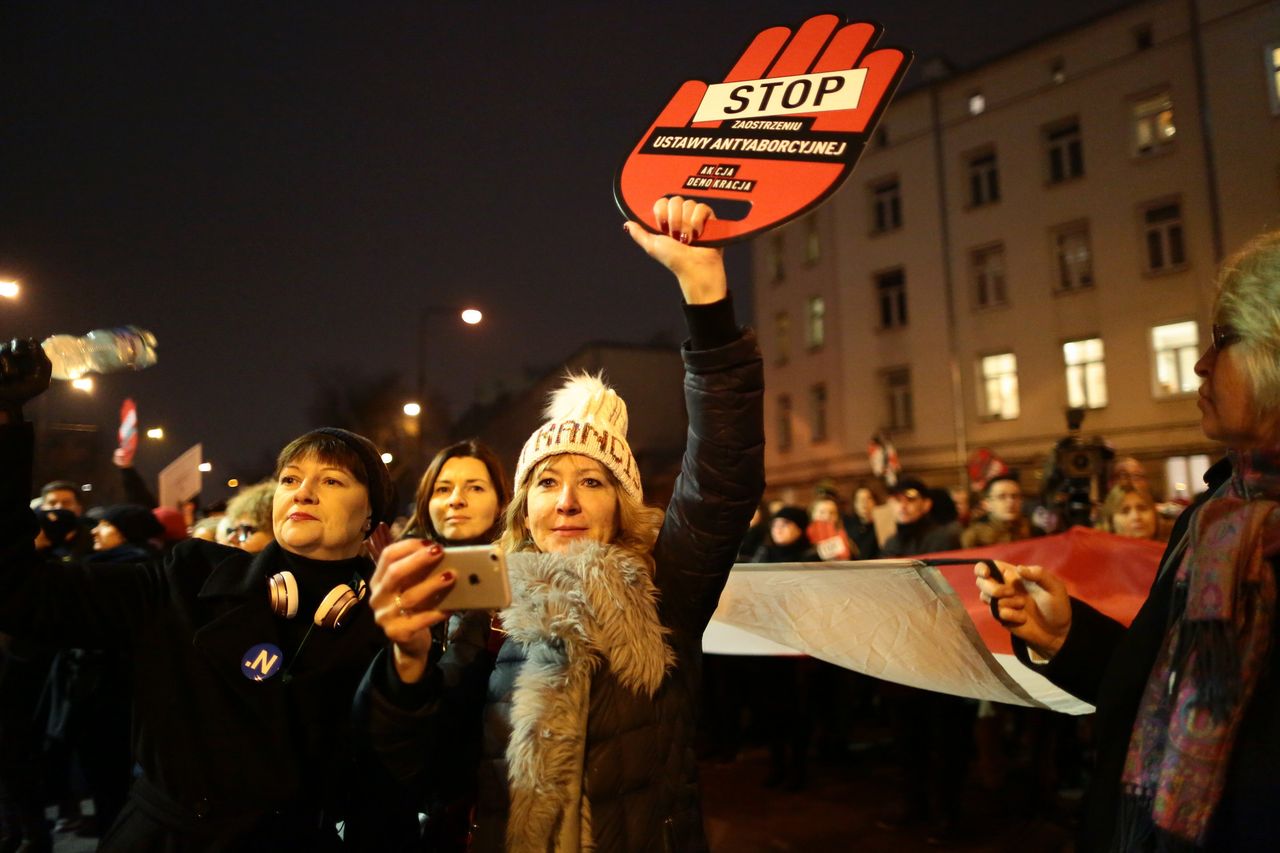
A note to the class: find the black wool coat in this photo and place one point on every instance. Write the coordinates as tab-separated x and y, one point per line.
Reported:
1107	665
639	770
227	763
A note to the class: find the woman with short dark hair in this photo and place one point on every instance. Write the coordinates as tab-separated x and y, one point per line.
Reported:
244	665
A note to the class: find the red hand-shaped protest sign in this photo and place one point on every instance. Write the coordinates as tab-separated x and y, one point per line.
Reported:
781	133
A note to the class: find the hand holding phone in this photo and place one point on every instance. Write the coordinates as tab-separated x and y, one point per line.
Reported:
482	583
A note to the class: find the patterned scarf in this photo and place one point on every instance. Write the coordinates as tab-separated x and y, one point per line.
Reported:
1213	653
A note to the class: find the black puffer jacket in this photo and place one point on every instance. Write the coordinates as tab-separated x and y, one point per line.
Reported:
638	780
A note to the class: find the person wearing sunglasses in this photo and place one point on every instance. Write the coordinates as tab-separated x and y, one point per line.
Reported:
1188	695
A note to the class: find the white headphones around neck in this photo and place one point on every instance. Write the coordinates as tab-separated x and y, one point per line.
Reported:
333	608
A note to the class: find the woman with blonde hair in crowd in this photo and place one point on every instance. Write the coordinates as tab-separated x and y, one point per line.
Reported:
1187	695
250	517
586	720
1130	511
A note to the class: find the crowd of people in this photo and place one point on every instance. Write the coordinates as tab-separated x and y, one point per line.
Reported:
286	675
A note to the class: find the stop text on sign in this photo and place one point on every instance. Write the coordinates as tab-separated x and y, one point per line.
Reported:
776	96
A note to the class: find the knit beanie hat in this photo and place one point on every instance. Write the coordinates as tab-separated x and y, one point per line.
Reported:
135	523
173	522
376	476
588	418
795	514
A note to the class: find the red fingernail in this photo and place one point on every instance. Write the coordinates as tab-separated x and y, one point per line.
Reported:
666	228
684	237
447	577
436	548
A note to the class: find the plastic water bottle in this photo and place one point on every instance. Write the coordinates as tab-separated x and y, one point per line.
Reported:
100	351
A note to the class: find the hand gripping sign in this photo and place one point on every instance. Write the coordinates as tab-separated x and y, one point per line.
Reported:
781	133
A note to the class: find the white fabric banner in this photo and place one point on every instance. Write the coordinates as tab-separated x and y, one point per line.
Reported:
893	619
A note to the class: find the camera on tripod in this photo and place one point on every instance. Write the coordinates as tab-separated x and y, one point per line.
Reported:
1079	473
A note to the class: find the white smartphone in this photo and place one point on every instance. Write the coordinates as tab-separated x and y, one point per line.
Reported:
481	584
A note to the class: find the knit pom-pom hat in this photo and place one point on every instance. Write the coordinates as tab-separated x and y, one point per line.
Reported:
585	417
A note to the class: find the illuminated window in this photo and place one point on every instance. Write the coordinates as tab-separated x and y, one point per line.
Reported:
987	267
1153	127
891	292
816	327
1162	234
1086	374
1073	257
1175	348
999	397
1271	59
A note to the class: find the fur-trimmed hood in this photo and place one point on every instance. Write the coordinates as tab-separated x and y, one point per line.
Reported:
573	613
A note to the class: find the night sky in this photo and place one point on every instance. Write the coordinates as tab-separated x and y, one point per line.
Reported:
275	189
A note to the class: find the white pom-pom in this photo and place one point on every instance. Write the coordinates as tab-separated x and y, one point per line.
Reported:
585	397
580	394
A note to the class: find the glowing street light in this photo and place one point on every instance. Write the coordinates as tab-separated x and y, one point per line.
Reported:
10	289
472	316
155	432
232	483
84	383
412	409
206	467
386	458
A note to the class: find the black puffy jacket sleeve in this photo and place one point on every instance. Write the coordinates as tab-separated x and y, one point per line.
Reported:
720	483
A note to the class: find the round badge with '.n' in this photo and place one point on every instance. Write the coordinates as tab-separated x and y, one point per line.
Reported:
776	138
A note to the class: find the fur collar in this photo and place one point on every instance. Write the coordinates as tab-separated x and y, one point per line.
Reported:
571	614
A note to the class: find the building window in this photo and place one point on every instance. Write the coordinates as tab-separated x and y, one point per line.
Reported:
1176	348
886	206
782	337
987	266
777	271
1073	257
818	412
999	399
816	327
1271	59
1086	374
891	291
896	385
977	104
784	421
984	179
1153	127
1162	234
1065	151
1184	475
812	240
1143	37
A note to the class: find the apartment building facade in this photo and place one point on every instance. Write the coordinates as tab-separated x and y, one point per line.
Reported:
1037	233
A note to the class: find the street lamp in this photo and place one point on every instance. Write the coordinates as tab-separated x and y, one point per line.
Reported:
10	289
84	383
386	458
471	316
205	467
412	409
155	432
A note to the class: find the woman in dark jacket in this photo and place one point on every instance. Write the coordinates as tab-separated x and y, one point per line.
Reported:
461	499
240	712
587	717
1188	696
